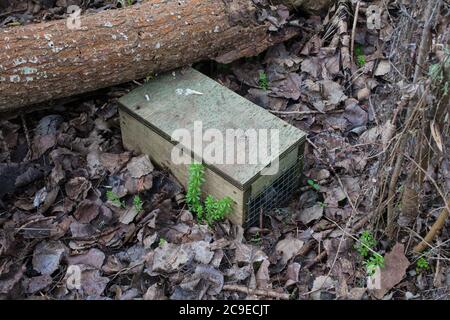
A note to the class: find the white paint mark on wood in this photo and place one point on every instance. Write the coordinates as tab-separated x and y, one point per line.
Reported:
15	78
28	70
19	61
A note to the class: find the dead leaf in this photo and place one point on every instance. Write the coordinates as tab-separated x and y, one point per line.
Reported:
202	252
10	279
384	67
128	215
247	254
311	66
35	284
288	88
47	256
92	283
170	257
41	144
321	283
114	162
262	276
332	92
140	166
310	214
355	115
93	257
436	135
395	265
288	248
77	188
154	292
292	272
87	211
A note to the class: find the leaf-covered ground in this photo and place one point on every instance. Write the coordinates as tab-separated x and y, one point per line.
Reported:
67	185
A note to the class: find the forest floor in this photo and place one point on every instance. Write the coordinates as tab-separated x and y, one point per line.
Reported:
68	188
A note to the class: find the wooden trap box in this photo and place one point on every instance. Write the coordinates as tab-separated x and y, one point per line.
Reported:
154	116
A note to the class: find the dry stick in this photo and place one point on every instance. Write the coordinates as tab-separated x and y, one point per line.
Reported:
400	146
425	39
317	259
423	49
304	112
355	20
27	135
258	292
437	226
423	151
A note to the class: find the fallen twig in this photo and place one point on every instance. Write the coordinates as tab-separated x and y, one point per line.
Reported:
355	20
437	226
258	292
305	112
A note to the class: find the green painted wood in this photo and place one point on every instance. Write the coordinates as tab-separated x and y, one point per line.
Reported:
162	104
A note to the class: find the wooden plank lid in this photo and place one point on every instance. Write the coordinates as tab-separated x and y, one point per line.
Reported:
184	98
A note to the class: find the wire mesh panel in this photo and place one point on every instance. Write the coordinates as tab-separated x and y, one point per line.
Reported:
277	193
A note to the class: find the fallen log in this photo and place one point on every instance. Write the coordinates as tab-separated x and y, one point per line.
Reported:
47	61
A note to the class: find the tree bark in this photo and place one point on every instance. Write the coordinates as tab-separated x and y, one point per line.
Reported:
47	61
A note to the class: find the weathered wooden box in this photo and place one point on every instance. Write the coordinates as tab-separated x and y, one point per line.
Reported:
168	111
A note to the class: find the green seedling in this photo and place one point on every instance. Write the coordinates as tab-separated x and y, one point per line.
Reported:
365	244
263	80
256	239
149	78
162	242
313	184
365	248
137	203
217	210
360	57
422	265
374	262
196	178
114	199
214	209
125	3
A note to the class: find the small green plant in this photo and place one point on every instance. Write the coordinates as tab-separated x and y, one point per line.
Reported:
125	3
376	260
256	239
114	199
162	242
321	204
215	209
149	78
366	243
137	203
263	80
360	57
422	265
314	184
365	248
196	179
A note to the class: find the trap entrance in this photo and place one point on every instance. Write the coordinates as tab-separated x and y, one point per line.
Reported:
183	114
